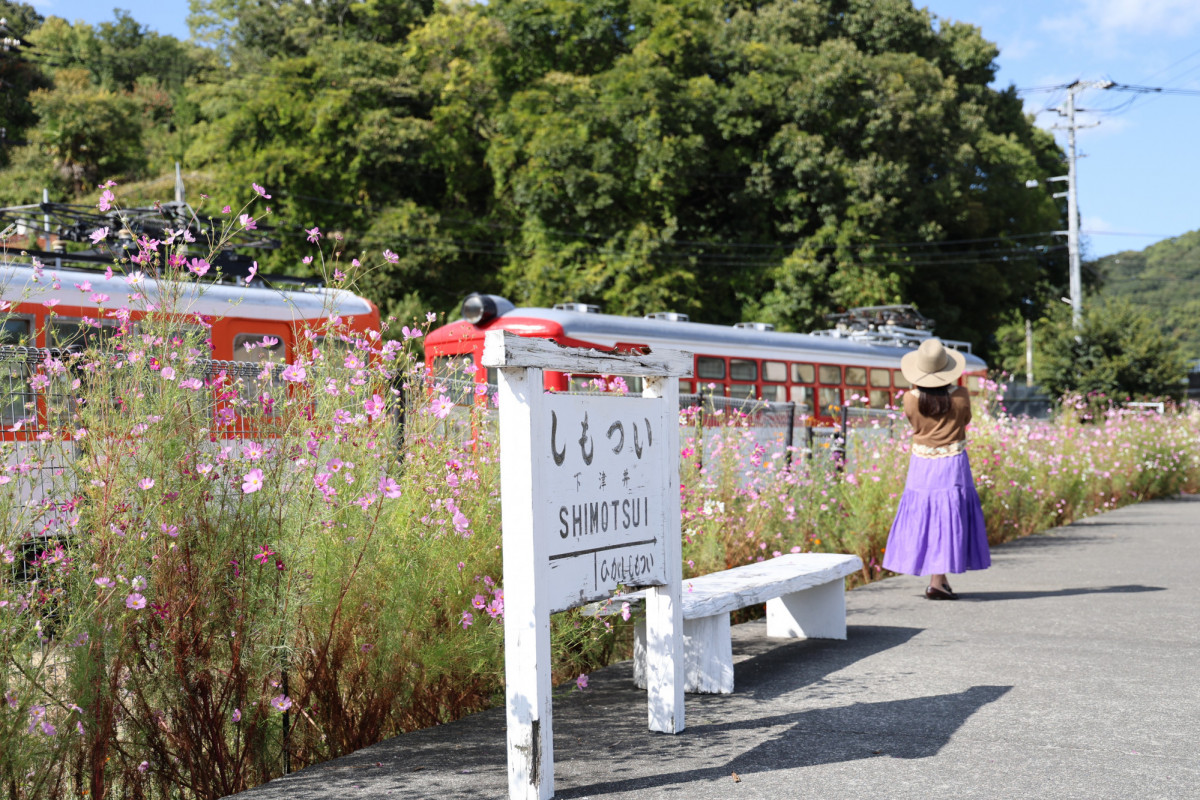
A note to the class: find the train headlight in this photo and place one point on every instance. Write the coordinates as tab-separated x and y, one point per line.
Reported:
480	308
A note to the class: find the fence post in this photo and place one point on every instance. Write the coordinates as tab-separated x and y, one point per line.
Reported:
790	437
839	443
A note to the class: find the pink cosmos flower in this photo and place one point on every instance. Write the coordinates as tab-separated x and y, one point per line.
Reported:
146	483
411	333
625	613
294	373
253	451
266	553
281	703
99	297
237	715
440	407
467	619
135	601
104	583
226	210
106	200
50	303
480	601
86	286
98	235
192	383
252	481
390	257
247	221
306	260
260	191
314	233
582	682
168	374
198	266
374	406
389	487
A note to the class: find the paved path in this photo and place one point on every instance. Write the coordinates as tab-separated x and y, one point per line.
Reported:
1070	669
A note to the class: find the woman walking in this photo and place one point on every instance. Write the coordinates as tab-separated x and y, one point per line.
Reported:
939	526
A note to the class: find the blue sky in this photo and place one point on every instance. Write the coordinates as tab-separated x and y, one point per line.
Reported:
1139	181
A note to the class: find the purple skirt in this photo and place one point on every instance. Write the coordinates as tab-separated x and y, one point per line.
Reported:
939	526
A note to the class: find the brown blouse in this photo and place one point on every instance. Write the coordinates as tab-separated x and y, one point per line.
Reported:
943	430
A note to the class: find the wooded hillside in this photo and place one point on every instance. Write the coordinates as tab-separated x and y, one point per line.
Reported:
732	160
1163	279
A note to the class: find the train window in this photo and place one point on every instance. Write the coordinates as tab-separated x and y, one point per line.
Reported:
881	378
69	332
742	391
803	373
775	371
802	395
451	372
685	387
974	382
830	375
879	398
741	369
711	368
16	331
257	348
775	394
830	398
901	381
856	376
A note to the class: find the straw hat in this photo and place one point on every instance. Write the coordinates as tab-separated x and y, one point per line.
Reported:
932	364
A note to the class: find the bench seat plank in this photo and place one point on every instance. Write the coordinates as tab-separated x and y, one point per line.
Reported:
805	597
751	584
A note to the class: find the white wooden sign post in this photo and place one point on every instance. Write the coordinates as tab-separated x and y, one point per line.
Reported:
590	493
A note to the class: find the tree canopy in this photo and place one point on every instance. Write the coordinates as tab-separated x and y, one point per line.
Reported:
775	160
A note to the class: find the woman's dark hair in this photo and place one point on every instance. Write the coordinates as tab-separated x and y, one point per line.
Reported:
934	402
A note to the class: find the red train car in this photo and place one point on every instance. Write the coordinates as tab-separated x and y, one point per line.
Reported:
747	360
70	306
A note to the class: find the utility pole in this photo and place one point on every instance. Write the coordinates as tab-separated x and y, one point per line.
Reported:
1076	279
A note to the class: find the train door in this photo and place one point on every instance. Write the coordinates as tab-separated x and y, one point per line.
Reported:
804	377
829	391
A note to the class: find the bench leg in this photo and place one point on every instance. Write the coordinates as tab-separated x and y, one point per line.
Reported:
708	655
816	613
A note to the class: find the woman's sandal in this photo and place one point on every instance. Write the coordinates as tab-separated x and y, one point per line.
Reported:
934	593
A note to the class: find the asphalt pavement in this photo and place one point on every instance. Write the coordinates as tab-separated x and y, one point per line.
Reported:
1070	669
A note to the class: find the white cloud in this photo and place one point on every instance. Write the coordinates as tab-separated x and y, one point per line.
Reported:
1104	22
1095	225
1165	17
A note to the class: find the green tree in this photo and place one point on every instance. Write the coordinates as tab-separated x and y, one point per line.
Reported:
85	132
1120	352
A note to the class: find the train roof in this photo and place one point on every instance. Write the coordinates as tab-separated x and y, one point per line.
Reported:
257	301
607	330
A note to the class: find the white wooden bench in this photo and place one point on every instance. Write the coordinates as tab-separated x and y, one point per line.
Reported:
805	597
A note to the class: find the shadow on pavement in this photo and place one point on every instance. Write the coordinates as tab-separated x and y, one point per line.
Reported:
777	666
989	596
913	728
